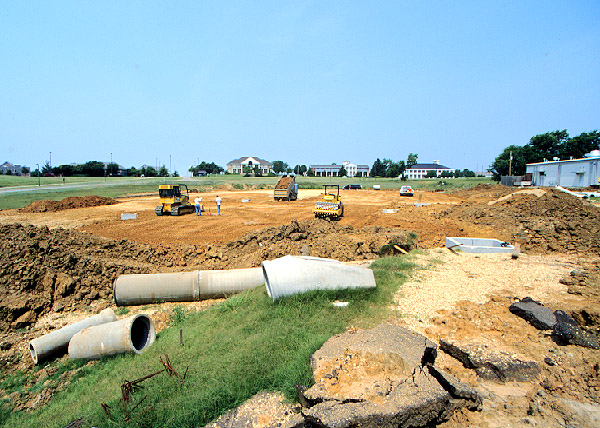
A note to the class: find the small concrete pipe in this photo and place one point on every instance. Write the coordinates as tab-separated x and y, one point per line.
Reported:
292	274
183	286
133	334
50	343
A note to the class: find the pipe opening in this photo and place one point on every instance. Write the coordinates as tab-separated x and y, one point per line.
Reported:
140	332
267	282
33	354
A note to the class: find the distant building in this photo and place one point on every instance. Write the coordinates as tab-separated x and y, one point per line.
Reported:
236	166
333	170
14	169
567	173
420	170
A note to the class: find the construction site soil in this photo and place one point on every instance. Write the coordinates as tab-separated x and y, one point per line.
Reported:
58	260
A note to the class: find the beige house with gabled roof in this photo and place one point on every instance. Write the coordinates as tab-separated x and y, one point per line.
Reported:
236	166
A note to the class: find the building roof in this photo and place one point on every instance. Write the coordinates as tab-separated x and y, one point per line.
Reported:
242	159
337	166
594	158
428	166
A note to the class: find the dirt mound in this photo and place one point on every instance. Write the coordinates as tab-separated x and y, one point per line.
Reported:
44	269
555	221
67	204
317	238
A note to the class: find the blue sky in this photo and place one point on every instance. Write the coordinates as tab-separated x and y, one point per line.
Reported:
302	81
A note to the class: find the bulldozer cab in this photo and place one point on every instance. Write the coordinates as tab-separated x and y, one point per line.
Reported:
169	191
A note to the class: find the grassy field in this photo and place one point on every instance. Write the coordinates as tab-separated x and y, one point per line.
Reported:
243	346
53	188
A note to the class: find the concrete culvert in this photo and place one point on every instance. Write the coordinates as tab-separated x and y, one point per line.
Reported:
183	286
51	343
133	334
293	274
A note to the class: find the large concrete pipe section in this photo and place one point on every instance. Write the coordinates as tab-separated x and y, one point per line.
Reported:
183	286
133	334
58	340
292	274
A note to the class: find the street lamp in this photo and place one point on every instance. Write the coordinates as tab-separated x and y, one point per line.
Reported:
38	173
50	159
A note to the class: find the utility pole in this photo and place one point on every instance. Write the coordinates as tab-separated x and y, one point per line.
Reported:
111	161
510	164
38	174
50	160
169	165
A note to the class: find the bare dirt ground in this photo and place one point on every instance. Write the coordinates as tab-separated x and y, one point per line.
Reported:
59	266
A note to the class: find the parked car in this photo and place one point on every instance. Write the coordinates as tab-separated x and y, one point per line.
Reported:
406	191
353	186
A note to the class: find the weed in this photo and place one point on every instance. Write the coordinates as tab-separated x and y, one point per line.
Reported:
122	311
178	315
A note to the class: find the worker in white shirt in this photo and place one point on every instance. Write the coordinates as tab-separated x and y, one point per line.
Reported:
198	203
218	205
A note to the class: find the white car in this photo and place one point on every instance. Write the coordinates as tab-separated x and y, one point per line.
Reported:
406	191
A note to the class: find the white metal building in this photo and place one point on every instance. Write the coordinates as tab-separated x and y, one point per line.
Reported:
567	173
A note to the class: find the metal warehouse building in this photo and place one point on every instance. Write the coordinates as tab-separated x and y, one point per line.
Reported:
567	173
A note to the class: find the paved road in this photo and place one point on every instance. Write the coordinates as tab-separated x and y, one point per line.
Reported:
22	189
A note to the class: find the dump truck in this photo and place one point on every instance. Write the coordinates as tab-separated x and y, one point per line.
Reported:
286	189
172	201
330	205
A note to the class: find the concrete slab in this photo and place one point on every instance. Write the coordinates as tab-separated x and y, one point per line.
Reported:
478	245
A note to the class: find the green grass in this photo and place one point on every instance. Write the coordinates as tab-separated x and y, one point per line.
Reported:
53	188
243	346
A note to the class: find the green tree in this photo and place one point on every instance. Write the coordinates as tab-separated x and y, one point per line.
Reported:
210	168
300	169
247	169
256	171
342	172
412	159
133	172
163	171
46	169
25	170
395	169
310	172
279	166
431	174
468	173
378	169
548	145
148	171
112	168
92	169
175	174
578	146
521	156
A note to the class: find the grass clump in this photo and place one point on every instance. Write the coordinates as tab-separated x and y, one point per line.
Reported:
231	351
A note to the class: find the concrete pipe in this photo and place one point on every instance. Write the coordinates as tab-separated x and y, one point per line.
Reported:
292	274
50	343
183	286
132	334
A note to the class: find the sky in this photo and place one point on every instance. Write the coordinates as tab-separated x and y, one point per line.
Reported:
306	82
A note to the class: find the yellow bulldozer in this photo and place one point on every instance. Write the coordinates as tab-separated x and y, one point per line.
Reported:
330	206
172	201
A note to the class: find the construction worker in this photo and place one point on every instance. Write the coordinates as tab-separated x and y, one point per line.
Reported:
218	205
198	203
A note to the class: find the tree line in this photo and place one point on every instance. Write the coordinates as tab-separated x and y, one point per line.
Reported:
549	146
101	169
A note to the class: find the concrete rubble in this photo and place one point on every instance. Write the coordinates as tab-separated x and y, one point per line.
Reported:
498	366
534	313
